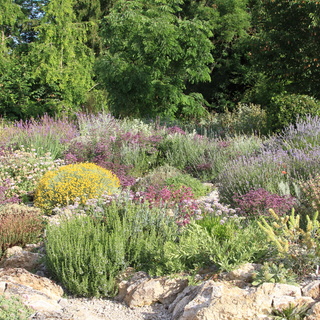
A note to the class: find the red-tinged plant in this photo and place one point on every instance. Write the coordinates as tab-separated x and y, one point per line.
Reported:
259	201
19	225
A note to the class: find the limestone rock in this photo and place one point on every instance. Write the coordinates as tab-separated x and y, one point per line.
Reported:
16	257
143	291
221	301
244	273
312	289
314	313
19	277
125	287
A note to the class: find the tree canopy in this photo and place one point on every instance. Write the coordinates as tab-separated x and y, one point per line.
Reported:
176	58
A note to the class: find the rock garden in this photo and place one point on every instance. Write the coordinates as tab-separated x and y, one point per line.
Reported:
102	218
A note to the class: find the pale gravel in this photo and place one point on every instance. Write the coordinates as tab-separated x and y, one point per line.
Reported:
102	309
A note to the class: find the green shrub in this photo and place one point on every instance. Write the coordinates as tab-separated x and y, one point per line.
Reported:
74	183
245	119
284	109
19	225
11	308
227	248
185	180
157	177
86	253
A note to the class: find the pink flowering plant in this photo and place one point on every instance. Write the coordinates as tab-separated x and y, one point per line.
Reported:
258	202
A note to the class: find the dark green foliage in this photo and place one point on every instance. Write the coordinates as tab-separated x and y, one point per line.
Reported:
151	55
286	45
285	109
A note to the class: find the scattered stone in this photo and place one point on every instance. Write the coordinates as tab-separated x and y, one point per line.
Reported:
244	273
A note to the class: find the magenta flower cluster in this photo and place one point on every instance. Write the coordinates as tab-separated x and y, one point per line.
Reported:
259	201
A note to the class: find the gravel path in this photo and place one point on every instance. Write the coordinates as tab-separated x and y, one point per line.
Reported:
102	309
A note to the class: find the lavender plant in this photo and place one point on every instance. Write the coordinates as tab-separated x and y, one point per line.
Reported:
304	134
45	135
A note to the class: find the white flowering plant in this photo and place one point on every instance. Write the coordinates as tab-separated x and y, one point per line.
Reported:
22	169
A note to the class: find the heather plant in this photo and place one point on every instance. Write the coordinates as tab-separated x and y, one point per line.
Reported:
258	202
46	135
296	247
81	181
19	225
21	170
11	307
126	153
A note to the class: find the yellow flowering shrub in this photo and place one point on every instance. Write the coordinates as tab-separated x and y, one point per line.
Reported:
74	183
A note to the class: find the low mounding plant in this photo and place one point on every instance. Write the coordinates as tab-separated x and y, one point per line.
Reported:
19	225
87	253
185	180
274	273
12	308
74	183
259	201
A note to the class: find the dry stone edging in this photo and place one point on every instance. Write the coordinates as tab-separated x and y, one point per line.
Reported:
162	298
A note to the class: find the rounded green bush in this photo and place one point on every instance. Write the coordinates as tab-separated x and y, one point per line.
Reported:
284	109
74	183
185	180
